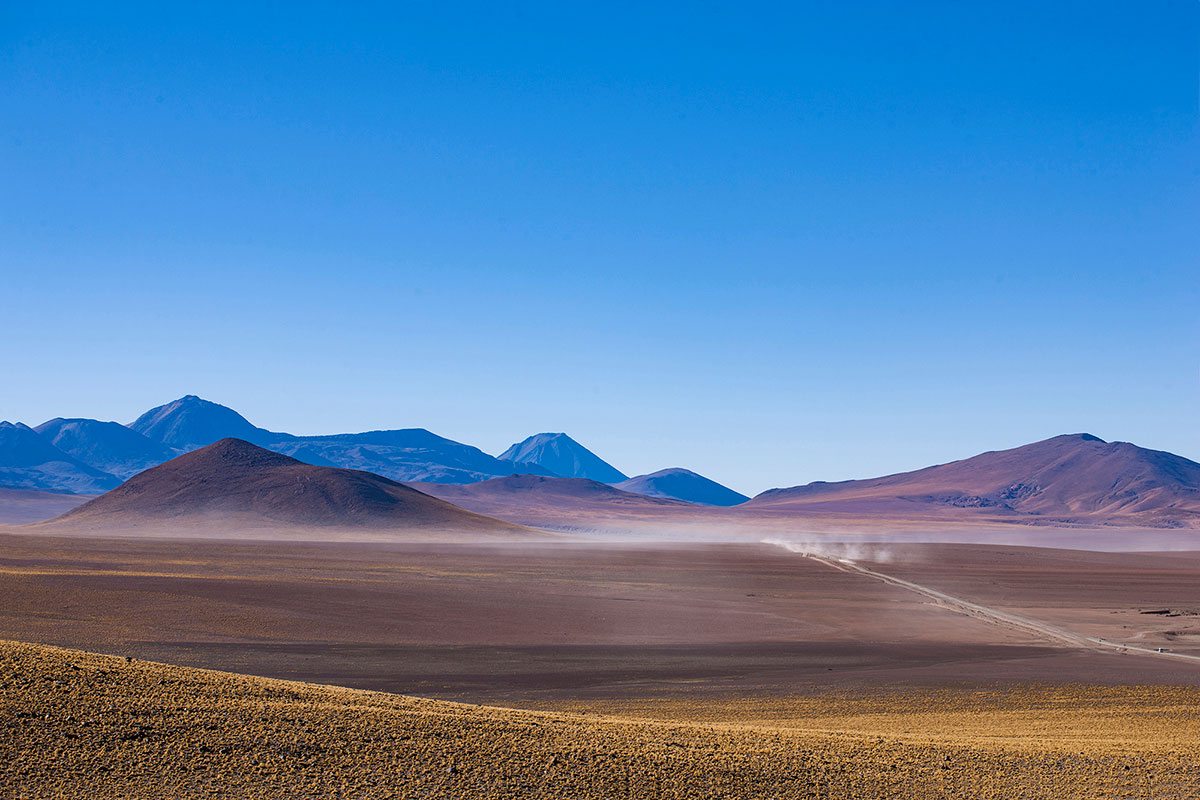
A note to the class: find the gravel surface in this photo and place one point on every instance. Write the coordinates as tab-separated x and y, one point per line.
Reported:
76	724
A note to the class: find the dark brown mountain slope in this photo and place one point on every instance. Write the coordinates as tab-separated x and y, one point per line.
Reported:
233	480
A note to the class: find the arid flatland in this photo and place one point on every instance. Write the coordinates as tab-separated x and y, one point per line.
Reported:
511	624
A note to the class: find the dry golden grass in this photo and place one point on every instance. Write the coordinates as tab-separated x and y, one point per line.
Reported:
1125	720
75	724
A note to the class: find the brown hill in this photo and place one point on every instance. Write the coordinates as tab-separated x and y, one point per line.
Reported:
233	481
539	500
1071	478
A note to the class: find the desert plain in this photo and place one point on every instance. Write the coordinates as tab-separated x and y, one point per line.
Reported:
588	666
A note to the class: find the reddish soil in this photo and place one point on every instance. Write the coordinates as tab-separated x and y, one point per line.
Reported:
509	623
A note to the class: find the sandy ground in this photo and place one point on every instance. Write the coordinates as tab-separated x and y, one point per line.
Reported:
548	623
75	724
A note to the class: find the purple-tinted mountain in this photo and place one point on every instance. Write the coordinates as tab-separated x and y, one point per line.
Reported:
678	483
236	482
106	446
554	502
563	456
29	461
1076	477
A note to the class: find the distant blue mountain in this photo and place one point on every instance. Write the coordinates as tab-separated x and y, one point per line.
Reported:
409	454
30	461
106	446
86	455
191	422
562	456
682	484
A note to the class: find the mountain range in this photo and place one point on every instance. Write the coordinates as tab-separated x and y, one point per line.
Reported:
107	446
409	454
1068	479
87	456
30	461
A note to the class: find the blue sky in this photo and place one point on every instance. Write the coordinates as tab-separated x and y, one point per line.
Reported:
771	245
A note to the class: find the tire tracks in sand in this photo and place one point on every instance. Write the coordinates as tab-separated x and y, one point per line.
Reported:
984	613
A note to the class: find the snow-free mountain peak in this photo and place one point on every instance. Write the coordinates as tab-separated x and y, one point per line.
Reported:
191	422
563	456
678	483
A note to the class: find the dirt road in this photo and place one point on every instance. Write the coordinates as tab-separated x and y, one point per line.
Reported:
985	613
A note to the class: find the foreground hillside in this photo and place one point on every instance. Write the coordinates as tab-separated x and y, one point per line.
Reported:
78	724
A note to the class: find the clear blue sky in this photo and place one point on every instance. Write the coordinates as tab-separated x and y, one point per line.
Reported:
770	245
